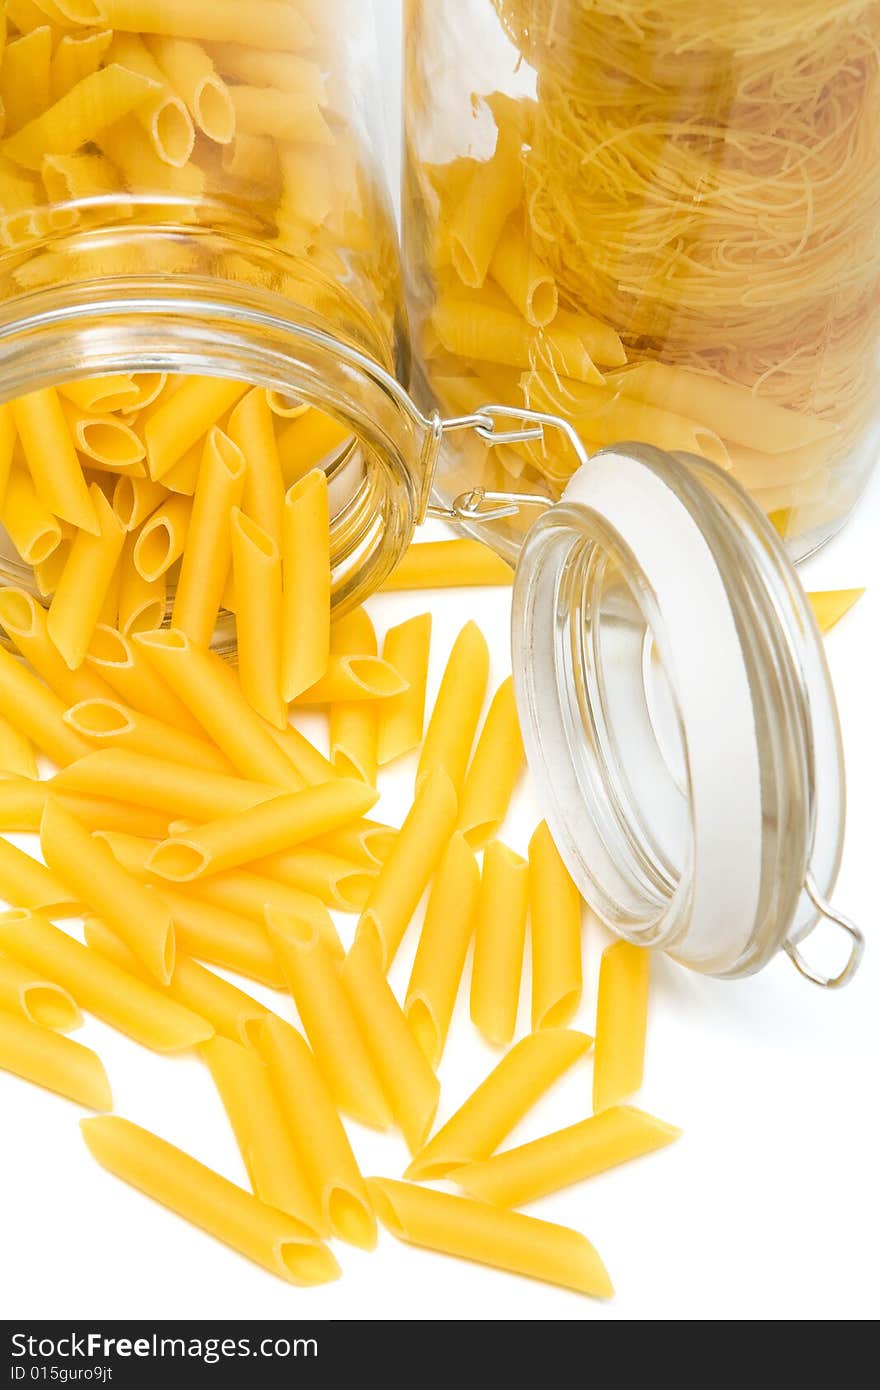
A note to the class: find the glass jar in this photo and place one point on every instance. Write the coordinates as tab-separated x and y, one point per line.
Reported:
200	188
661	221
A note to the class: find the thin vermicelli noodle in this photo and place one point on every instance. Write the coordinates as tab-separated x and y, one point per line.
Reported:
704	179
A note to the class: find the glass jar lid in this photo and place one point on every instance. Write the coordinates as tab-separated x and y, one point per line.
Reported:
676	705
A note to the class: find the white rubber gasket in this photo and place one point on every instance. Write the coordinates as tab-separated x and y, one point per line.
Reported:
709	673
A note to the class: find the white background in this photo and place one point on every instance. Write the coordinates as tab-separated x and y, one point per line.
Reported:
766	1208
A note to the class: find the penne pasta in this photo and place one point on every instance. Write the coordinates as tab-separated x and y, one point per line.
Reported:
270	1238
117	392
830	607
266	24
498	1104
163	115
555	915
232	1013
50	1060
443	946
453	724
179	421
37	712
524	278
207	556
499	943
191	72
202	682
334	881
51	458
135	499
76	605
308	442
498	761
275	825
305	558
621	1023
142	602
258	1123
353	679
77	56
285	71
449	565
555	1161
162	537
106	442
251	427
404	1071
25	622
409	867
125	667
17	755
160	785
111	723
354	725
283	116
8	441
320	1138
502	1239
256	568
36	998
480	331
94	878
101	987
401	718
364	842
25	78
26	883
98	101
222	938
329	1021
493	192
32	528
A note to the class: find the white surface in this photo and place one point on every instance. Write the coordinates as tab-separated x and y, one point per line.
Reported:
766	1208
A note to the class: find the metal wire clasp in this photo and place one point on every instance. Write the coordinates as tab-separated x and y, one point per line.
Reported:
857	943
526	427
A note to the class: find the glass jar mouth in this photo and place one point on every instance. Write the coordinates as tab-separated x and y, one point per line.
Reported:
231	329
677	710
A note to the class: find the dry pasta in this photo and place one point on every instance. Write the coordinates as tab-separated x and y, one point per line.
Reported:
38	999
499	943
354	725
449	565
401	718
498	760
443	946
555	918
53	1061
453	723
621	1023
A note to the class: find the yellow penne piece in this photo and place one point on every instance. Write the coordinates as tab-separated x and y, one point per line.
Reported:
443	946
258	1123
449	565
251	159
191	72
209	690
407	1076
22	803
833	605
499	1103
8	440
51	459
163	116
185	418
251	427
365	843
90	178
555	1161
50	1060
232	1013
305	553
503	1239
126	668
108	443
143	603
25	622
161	539
100	393
77	602
734	412
286	71
222	938
499	943
478	331
409	867
354	725
26	883
283	116
353	678
334	881
401	718
135	499
270	1238
113	724
93	876
621	1023
129	148
37	712
161	785
17	755
601	341
555	914
33	530
453	723
266	24
95	103
275	825
101	987
494	191
25	78
320	1138
313	978
36	998
308	442
524	278
498	761
256	569
76	57
207	556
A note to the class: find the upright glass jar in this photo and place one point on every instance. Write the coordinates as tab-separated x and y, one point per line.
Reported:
661	221
200	188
